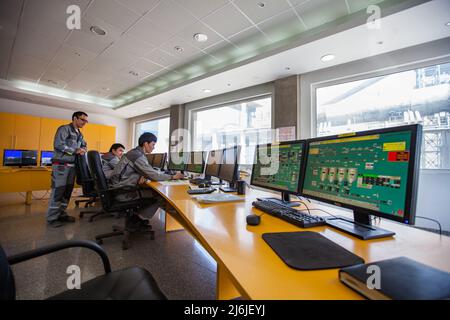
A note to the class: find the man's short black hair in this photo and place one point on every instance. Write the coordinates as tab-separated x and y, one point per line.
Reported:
116	146
147	137
79	114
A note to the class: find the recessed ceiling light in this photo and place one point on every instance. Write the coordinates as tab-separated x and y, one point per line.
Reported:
327	57
77	54
447	24
380	42
52	82
287	68
105	89
178	49
133	73
148	108
229	84
261	4
98	31
200	37
207	90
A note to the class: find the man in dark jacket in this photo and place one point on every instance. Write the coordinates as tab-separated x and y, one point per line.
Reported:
67	144
111	159
134	169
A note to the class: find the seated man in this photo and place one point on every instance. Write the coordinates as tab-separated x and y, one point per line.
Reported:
133	169
111	159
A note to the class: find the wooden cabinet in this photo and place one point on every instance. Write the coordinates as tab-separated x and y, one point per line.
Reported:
7	133
26	132
99	137
48	130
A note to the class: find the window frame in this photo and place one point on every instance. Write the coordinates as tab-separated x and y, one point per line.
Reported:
136	123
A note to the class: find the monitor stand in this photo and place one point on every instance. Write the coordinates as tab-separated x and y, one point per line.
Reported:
215	183
230	188
360	227
284	201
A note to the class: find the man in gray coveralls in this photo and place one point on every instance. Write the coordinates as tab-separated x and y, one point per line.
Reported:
133	169
67	144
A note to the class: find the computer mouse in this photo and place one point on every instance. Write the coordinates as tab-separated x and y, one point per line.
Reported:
203	185
253	219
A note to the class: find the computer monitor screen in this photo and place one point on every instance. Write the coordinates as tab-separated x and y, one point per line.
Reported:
150	157
46	158
229	166
12	157
177	161
373	172
159	160
278	166
213	163
196	162
29	157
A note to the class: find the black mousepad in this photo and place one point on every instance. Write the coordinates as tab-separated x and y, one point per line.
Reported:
308	250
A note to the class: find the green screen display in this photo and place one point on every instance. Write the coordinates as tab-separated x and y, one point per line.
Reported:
180	164
287	165
365	171
195	162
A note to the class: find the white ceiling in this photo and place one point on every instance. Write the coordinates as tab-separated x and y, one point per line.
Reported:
141	35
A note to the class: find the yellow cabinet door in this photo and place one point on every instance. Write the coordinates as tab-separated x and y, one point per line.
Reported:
91	134
107	137
27	131
7	133
49	127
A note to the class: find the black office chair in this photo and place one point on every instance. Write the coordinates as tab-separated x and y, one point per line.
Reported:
84	178
110	204
128	284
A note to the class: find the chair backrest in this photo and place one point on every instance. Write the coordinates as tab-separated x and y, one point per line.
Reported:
84	177
7	286
95	163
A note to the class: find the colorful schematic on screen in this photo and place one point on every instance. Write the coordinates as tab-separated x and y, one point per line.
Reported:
286	178
364	171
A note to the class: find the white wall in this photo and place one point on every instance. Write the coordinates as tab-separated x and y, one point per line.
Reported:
22	107
434	185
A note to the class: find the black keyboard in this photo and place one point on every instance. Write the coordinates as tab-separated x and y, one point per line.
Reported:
197	181
288	214
201	191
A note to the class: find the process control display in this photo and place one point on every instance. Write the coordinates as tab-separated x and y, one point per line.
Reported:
286	167
365	171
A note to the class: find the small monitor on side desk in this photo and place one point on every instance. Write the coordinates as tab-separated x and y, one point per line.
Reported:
278	167
46	158
19	158
213	164
228	170
196	162
177	161
373	173
159	160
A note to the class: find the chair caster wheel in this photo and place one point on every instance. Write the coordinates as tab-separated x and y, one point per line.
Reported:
90	219
81	215
99	241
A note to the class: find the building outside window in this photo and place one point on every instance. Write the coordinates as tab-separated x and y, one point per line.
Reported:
415	96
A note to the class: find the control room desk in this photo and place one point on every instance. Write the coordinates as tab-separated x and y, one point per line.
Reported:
247	266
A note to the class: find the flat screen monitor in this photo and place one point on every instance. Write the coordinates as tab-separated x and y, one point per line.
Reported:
46	158
150	157
228	170
159	160
278	167
19	157
196	162
373	173
213	163
177	161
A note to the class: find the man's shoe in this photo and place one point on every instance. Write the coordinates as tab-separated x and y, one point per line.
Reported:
55	223
66	218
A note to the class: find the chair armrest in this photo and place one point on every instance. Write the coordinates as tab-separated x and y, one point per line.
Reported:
27	255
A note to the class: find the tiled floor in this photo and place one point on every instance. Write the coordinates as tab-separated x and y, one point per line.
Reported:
179	264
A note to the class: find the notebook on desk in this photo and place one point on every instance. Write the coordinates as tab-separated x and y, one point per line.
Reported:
174	182
217	198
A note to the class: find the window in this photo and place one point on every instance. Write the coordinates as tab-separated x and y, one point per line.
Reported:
415	96
242	123
160	128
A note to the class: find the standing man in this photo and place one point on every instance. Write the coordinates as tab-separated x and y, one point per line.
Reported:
111	159
67	144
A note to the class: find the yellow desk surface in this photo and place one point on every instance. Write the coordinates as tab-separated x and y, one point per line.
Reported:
248	267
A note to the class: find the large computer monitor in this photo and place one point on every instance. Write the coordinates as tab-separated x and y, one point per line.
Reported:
228	170
159	160
150	157
19	157
46	158
373	173
177	161
196	162
278	167
213	163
